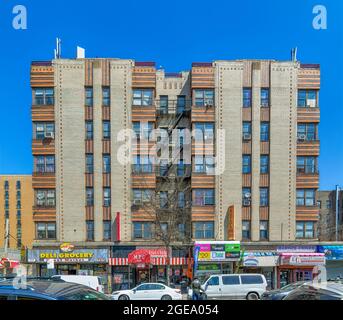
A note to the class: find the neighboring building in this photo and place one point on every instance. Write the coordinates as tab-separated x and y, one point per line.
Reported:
326	201
16	200
264	194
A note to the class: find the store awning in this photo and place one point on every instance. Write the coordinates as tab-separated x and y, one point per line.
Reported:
302	259
10	263
175	261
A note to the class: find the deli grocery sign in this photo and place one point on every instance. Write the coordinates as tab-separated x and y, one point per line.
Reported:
74	256
218	250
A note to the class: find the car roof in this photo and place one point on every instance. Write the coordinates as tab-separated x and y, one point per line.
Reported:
335	287
47	288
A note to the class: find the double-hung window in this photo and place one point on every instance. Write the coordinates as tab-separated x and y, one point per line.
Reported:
247	97
107	197
164	104
203	197
89	130
89	163
246	128
106	163
45	230
43	129
203	97
204	131
142	97
246	227
264	131
204	164
45	198
89	196
306	197
265	97
106	129
89	96
180	104
264	197
142	230
246	164
305	230
203	230
106	96
142	196
107	230
142	164
90	230
44	164
43	96
307	99
307	131
263	230
307	165
264	164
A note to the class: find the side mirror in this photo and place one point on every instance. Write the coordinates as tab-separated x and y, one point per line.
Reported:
134	290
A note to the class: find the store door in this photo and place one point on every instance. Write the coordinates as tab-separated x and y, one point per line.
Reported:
303	275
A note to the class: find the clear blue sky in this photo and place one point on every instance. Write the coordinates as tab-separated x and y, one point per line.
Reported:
173	36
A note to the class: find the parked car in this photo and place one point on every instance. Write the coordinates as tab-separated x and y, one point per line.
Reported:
52	289
279	294
148	291
93	282
315	291
234	286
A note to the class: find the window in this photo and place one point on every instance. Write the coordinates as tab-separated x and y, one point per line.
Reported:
89	130
89	97
164	203
204	97
203	230
305	230
246	164
181	168
89	196
89	163
142	195
246	97
42	129
147	128
45	230
263	230
264	197
181	230
203	197
106	163
106	129
246	230
107	197
90	230
230	280
307	99
264	131
43	96
6	185
307	165
45	198
264	164
142	164
164	104
180	104
142	230
306	197
246	129
246	196
142	97
44	164
204	131
251	279
107	230
181	199
265	97
204	164
328	204
106	96
307	131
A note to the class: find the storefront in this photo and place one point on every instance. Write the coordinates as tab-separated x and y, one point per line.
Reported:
263	262
334	261
296	266
146	264
215	257
69	260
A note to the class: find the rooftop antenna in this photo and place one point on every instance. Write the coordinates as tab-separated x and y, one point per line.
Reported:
58	49
294	53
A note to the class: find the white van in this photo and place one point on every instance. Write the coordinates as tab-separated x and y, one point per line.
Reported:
235	286
93	282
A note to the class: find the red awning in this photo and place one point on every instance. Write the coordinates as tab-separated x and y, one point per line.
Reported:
139	256
12	263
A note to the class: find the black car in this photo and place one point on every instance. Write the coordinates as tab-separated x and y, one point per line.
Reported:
47	290
279	294
323	291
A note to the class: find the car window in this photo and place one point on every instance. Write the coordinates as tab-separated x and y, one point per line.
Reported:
230	280
84	294
3	298
214	281
251	279
143	287
156	287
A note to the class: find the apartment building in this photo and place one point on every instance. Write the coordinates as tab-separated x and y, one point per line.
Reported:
326	201
247	170
16	201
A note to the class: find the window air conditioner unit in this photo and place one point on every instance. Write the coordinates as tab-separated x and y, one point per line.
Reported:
49	135
246	202
209	105
246	136
301	137
311	103
137	202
